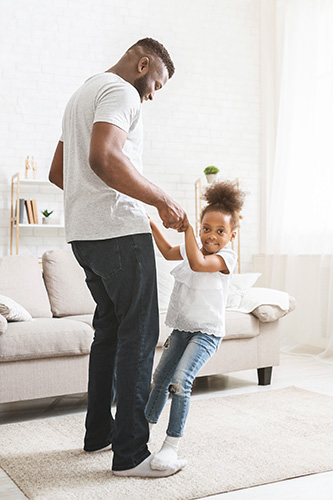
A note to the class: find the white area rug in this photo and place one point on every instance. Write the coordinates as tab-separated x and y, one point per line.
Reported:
230	442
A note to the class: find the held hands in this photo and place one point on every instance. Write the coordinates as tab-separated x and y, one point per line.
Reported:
185	225
173	216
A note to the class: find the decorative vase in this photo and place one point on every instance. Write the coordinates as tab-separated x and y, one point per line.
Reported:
211	178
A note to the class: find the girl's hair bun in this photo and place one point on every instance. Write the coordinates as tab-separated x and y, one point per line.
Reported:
226	194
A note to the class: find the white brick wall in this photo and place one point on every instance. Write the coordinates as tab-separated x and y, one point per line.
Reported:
209	113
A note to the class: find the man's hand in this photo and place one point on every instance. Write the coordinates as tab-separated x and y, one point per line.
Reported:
173	216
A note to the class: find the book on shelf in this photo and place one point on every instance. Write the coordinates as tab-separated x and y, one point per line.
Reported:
28	206
34	211
21	211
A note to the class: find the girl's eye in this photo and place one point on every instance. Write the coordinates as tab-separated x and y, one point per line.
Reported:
220	231
205	229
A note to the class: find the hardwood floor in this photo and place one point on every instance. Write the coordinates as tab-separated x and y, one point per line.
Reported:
294	370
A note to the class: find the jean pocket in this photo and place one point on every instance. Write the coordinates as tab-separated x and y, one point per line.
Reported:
101	256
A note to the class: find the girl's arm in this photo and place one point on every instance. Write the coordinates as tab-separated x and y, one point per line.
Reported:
199	262
169	252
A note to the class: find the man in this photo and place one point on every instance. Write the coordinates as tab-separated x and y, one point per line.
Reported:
98	163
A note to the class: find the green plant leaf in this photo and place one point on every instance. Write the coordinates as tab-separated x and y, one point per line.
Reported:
46	213
211	170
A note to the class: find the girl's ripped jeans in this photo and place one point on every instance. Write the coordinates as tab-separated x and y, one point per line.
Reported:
184	354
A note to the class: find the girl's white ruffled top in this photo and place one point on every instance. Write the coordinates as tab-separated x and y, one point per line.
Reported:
198	300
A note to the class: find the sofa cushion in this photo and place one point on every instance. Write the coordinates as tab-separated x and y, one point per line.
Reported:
65	283
165	280
238	326
45	338
3	324
85	318
21	280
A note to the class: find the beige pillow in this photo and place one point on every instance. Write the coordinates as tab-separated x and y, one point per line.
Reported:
267	313
13	311
65	282
3	324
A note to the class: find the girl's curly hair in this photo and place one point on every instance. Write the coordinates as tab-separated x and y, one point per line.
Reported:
224	197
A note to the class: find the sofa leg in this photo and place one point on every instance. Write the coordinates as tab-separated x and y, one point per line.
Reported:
265	375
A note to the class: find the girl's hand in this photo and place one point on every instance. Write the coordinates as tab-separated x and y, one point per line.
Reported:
151	222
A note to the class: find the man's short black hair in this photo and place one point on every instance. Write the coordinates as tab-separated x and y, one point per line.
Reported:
154	47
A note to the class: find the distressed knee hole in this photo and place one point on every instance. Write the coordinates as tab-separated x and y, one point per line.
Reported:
167	343
173	388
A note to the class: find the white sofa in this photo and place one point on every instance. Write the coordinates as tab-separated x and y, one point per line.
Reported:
48	355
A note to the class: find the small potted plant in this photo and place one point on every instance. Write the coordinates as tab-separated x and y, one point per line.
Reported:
211	173
46	215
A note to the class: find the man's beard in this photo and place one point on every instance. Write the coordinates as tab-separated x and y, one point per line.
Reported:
141	85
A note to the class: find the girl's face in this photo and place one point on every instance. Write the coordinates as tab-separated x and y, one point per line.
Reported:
215	231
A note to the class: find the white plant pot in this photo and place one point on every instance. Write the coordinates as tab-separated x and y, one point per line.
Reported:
46	220
211	178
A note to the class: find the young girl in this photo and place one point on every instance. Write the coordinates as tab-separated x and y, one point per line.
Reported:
196	310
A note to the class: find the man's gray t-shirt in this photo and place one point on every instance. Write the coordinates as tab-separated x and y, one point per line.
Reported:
93	210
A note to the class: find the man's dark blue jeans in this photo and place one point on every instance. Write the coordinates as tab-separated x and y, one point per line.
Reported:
121	276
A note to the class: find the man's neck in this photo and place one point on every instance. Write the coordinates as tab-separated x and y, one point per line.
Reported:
122	69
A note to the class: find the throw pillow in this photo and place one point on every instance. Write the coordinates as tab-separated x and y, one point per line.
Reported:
3	324
267	313
65	282
12	311
239	284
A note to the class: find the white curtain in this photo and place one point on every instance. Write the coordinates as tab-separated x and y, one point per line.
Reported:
299	244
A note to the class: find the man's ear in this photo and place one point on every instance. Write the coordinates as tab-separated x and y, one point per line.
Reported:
143	65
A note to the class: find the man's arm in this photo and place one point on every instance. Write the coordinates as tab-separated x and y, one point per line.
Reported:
199	262
56	170
108	161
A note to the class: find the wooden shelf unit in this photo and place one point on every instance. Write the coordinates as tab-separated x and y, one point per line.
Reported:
15	225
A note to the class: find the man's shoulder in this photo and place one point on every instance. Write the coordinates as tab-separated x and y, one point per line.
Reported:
108	81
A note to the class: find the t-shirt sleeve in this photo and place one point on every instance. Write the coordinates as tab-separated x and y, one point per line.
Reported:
120	106
230	258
